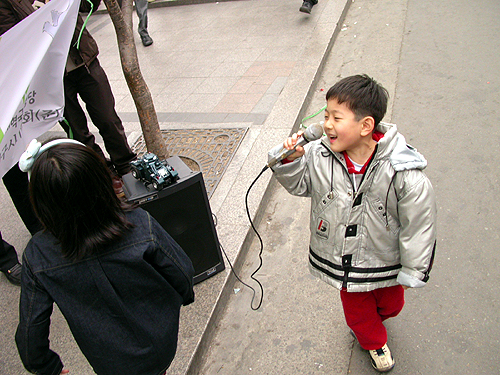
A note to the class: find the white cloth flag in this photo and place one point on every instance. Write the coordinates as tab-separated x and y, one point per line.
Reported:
33	56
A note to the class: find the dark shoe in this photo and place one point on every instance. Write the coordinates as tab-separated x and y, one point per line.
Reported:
353	335
306	7
146	40
14	274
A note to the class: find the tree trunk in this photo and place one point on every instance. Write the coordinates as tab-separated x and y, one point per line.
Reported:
122	21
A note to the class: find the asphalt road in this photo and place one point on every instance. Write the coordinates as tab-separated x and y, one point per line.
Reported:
439	61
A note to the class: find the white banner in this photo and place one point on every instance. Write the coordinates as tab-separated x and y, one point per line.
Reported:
33	56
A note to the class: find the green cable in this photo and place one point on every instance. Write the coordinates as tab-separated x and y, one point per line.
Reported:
77	44
70	132
311	116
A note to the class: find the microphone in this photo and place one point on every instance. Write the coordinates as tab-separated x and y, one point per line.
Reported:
312	133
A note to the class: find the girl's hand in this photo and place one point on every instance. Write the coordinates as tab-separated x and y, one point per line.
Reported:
64	372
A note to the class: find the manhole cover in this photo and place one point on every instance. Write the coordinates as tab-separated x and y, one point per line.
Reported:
207	150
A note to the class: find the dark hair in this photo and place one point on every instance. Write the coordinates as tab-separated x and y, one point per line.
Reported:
72	194
362	95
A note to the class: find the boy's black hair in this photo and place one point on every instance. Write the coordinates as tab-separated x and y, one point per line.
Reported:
362	95
72	194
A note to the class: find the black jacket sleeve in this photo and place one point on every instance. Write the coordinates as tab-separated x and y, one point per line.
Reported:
12	12
85	5
32	335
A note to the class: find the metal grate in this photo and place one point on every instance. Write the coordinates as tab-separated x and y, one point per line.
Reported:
207	150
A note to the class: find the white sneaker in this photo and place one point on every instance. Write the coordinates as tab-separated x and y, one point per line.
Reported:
382	359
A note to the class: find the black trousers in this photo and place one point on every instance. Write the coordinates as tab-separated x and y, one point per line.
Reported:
8	256
16	182
93	87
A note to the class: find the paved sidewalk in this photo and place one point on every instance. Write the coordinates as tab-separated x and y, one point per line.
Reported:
247	64
438	63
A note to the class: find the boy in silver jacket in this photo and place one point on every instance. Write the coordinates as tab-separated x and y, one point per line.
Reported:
373	209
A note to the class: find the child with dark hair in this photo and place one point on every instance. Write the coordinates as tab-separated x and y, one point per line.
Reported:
373	210
118	278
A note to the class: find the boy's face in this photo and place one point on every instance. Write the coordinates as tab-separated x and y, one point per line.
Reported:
343	130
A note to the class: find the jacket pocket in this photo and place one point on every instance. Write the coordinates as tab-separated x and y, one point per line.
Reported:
379	210
324	202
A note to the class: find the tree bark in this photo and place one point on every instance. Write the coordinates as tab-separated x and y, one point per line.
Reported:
122	21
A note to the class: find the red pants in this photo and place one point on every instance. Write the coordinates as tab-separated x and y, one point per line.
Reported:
365	311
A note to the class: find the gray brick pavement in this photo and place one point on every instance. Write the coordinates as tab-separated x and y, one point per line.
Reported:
245	63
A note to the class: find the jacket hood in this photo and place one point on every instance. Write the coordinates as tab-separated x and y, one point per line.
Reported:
402	155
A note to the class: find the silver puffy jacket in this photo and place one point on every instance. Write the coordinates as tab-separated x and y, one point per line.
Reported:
382	235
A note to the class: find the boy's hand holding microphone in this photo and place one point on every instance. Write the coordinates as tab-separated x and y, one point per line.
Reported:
293	147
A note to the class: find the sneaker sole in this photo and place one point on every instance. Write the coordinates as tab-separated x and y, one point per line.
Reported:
387	356
382	370
305	10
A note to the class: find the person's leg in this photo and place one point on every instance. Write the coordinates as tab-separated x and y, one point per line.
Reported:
307	6
74	113
96	92
390	301
8	255
360	311
9	264
141	7
16	182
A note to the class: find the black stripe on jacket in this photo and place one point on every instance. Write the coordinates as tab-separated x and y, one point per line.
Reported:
358	280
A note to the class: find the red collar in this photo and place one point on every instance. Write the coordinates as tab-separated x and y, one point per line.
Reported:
377	136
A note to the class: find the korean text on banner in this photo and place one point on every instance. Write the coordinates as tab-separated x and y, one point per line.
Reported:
33	56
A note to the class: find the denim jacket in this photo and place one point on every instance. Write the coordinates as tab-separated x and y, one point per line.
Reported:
122	305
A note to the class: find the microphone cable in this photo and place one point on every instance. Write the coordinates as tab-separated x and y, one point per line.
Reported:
261	243
260	251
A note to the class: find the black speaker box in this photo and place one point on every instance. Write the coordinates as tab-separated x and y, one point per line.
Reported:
183	210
